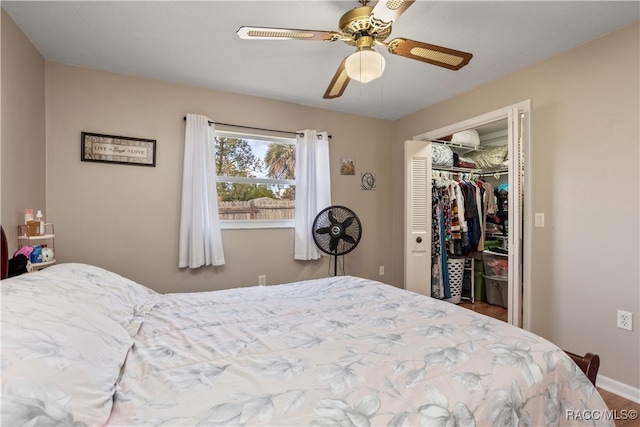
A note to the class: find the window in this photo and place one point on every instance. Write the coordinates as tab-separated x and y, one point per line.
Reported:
255	180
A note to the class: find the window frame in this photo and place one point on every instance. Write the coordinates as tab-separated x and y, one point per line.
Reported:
244	224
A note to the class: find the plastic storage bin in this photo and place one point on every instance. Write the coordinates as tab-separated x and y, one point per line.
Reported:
495	264
497	291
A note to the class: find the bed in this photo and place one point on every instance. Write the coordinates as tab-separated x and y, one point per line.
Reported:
84	346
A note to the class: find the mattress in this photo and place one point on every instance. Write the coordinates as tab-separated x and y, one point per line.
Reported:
82	345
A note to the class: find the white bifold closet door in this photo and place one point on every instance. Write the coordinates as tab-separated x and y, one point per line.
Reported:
417	201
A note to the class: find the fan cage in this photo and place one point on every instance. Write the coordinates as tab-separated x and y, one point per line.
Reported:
340	214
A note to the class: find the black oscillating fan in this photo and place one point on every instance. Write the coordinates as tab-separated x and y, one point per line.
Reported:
336	231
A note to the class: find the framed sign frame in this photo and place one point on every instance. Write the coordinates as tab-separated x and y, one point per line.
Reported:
122	150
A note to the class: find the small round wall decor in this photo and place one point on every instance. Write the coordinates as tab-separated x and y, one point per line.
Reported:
368	181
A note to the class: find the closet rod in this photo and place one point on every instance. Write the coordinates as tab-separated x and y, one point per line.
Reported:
496	172
301	134
456	170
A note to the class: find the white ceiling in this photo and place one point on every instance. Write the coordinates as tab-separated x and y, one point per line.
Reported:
195	43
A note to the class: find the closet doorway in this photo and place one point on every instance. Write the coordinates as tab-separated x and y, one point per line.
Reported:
508	127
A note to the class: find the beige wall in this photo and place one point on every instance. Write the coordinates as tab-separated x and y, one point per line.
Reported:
126	218
23	126
584	177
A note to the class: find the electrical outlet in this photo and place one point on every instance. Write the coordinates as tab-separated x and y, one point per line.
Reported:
381	270
262	279
625	320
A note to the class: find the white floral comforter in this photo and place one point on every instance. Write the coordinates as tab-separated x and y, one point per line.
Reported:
337	351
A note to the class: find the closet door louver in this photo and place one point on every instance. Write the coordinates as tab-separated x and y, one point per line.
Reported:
419	195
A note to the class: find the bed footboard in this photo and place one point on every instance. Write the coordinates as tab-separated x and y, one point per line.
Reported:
589	363
5	254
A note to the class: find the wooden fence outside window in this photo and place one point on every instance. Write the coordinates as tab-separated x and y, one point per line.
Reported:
262	208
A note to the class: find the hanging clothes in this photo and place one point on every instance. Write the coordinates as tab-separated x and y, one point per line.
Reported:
457	223
501	194
437	280
480	204
471	214
490	199
446	285
446	216
456	232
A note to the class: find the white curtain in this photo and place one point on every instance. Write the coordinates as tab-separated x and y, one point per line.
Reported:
313	189
200	236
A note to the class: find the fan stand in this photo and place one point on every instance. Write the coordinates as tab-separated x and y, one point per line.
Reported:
335	265
335	230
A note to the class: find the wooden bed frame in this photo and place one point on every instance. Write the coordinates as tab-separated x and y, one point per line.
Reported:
5	255
589	363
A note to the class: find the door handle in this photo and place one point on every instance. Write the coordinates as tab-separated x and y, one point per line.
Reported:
419	239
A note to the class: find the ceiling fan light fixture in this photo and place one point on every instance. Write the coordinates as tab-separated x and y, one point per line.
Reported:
365	65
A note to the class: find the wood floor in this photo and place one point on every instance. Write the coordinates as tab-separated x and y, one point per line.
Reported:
622	409
494	311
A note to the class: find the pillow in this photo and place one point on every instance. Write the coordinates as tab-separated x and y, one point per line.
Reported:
490	157
103	291
466	137
441	155
62	351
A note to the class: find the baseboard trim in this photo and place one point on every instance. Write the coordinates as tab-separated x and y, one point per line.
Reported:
621	389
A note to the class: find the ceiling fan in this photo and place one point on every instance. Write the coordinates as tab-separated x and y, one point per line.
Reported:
364	27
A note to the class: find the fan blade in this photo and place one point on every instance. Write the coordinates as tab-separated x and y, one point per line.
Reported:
347	222
338	83
387	11
349	239
265	33
323	230
332	217
429	53
333	244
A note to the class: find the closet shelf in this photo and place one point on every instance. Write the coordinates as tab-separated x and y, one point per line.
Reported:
473	171
460	148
